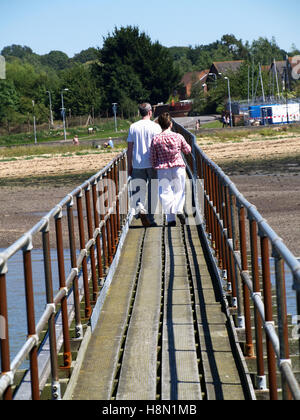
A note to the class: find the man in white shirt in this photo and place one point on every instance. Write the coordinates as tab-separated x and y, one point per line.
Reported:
139	140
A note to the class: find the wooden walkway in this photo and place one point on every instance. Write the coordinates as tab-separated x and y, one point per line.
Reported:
162	332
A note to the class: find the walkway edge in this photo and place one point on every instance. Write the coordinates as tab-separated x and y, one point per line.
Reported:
241	362
77	366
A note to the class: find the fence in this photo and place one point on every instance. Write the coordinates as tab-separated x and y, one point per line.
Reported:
97	206
237	256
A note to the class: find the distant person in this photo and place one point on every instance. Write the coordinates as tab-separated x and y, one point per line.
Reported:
140	136
224	120
109	144
228	120
166	158
75	140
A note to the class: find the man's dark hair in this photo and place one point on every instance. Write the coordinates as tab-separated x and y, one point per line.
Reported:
144	109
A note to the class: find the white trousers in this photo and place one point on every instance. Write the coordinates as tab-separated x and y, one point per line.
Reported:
172	191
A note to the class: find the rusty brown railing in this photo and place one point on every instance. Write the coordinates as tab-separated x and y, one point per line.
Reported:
100	206
236	252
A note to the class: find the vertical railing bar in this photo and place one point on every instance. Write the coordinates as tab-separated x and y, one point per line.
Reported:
236	290
113	193
246	292
92	248
209	204
97	223
116	173
29	295
268	315
222	225
103	228
55	386
62	284
215	205
4	342
112	215
88	309
108	220
282	318
298	311
72	244
230	263
218	220
261	377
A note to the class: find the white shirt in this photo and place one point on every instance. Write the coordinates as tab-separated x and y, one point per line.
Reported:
141	135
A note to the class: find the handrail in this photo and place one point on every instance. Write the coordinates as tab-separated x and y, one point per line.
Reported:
226	210
104	212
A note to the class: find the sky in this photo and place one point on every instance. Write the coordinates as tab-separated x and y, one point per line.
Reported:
74	25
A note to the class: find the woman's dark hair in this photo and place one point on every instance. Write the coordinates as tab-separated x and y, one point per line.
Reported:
165	120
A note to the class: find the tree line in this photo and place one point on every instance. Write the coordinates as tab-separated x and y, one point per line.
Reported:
128	69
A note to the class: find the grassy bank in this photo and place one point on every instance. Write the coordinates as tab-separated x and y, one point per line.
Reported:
104	130
228	134
30	152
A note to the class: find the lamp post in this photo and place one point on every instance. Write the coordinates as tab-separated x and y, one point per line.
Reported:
50	105
34	124
63	112
229	98
115	115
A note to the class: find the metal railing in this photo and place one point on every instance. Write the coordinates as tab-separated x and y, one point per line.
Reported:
100	206
237	256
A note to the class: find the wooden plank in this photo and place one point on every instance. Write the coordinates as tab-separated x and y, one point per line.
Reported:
222	379
180	375
138	377
95	381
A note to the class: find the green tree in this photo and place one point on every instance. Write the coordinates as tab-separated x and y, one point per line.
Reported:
57	60
16	51
132	67
90	54
83	94
264	51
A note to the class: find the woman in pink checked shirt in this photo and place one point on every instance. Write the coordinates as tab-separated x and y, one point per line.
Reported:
166	157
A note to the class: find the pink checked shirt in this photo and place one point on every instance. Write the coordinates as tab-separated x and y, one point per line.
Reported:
166	150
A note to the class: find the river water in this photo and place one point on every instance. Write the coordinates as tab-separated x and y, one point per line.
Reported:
16	293
17	321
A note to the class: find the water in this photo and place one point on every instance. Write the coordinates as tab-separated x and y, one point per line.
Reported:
17	321
290	293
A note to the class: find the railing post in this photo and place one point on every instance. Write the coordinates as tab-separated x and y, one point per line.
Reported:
97	223
102	219
229	256
116	180
261	377
112	216
34	374
236	289
78	324
55	386
108	223
88	308
282	317
243	246
92	248
62	284
268	315
4	342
